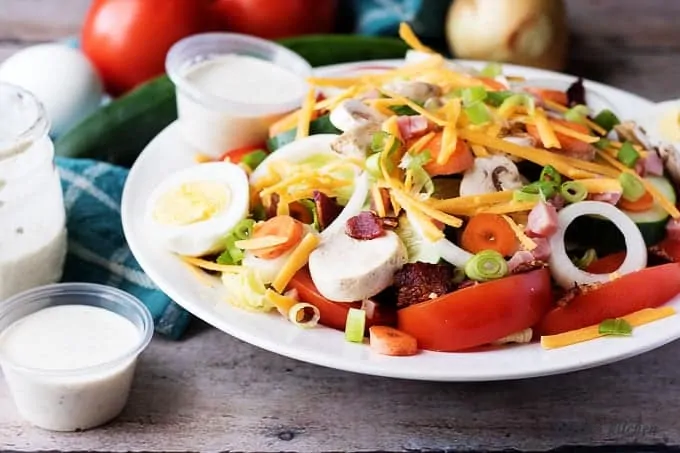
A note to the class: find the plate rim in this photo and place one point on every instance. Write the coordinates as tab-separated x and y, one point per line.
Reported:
358	366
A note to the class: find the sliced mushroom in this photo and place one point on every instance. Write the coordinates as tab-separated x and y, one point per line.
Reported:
490	174
414	90
630	131
433	103
355	142
353	113
671	160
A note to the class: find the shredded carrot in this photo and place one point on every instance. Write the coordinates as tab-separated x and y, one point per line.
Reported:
644	203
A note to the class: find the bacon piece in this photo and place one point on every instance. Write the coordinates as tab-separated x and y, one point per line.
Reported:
365	226
607	197
327	209
412	126
420	282
542	221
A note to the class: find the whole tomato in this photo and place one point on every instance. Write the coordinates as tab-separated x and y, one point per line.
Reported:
127	40
272	19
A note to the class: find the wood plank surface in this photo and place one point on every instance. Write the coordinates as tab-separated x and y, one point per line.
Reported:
211	392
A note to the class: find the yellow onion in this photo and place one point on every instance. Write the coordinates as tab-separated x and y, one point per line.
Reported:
525	32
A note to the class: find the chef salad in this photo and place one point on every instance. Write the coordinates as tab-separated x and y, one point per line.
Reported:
438	207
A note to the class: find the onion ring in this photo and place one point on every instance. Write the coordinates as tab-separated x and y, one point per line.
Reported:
565	273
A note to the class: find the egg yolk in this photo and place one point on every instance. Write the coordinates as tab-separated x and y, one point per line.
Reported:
192	202
669	125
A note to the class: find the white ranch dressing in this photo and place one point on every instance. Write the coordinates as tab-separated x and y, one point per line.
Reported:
244	81
32	217
48	358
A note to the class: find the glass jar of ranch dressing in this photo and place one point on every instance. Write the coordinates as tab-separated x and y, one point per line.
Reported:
32	217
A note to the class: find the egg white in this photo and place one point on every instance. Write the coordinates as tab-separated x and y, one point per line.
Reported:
205	236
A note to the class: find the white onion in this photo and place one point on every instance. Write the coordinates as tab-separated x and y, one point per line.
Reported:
451	253
565	273
353	206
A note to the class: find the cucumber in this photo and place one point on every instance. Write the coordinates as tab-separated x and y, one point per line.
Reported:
602	235
321	125
652	223
119	131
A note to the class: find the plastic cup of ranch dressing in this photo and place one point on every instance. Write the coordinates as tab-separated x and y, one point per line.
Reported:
68	352
231	88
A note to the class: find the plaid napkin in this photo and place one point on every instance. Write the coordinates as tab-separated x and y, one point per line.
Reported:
97	250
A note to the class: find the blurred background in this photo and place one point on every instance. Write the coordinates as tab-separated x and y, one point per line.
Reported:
627	43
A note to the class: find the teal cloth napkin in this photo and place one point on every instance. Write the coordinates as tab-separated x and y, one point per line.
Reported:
97	250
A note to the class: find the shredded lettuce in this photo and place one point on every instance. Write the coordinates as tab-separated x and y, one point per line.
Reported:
418	248
422	183
246	290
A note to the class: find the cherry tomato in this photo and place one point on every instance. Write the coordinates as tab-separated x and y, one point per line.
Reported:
479	314
647	288
127	40
276	19
334	314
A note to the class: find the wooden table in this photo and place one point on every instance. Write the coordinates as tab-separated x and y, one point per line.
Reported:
211	392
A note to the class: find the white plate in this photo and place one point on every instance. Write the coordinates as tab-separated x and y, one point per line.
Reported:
327	347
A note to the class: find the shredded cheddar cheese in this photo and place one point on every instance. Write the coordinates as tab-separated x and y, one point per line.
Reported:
450	135
636	319
296	261
450	205
545	130
412	204
574	134
405	101
261	242
601	185
407	35
210	266
306	115
523	239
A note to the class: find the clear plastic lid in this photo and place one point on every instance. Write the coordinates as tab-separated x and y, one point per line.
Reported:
204	47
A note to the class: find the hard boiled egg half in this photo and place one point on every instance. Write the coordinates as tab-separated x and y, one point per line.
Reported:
662	122
191	211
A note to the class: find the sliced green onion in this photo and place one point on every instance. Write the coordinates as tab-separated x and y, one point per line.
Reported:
477	113
254	159
373	165
577	114
550	174
486	265
628	155
231	254
355	325
473	95
573	191
412	161
243	229
496	98
602	143
588	258
520	99
378	141
617	326
539	190
492	70
606	120
633	189
521	195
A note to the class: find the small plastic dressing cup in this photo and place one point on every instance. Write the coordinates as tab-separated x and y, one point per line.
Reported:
70	397
211	118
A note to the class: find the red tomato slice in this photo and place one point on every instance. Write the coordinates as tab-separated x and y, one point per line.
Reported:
334	314
236	155
607	264
647	288
670	249
480	314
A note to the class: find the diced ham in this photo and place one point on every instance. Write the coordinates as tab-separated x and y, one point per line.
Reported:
412	126
673	229
365	226
542	221
519	259
607	197
653	164
557	201
542	250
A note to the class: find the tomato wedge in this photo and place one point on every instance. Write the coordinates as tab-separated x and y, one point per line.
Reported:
236	155
647	288
334	314
479	314
607	264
